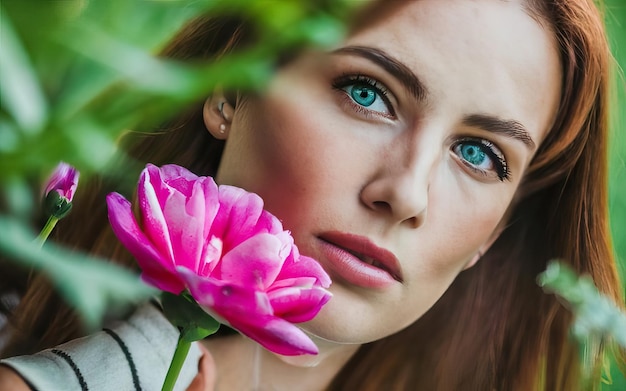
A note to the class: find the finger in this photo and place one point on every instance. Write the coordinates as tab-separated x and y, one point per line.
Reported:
205	379
207	367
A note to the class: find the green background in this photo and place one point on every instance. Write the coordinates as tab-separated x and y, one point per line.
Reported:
616	24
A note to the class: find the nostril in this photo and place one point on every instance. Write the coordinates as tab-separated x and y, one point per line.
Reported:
385	208
396	199
381	206
414	222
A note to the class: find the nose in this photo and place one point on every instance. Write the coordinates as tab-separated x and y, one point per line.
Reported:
400	187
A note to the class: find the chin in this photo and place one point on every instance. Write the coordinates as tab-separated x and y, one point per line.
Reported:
344	321
303	361
327	329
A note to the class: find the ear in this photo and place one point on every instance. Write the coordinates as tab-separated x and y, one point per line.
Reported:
218	116
483	249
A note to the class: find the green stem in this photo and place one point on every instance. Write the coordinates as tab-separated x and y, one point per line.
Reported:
182	348
46	230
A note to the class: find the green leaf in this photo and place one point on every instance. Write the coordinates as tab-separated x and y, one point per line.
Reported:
18	198
20	91
183	311
197	333
92	285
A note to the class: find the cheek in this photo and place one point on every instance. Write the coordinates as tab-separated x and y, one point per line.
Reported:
460	223
279	150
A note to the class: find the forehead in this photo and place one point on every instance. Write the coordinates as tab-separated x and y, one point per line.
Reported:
491	50
513	21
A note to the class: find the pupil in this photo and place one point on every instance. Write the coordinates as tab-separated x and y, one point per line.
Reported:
363	95
473	154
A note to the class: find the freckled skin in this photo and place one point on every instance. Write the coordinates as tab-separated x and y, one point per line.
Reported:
323	164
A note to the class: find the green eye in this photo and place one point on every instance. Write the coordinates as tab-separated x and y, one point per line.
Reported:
473	154
364	95
482	157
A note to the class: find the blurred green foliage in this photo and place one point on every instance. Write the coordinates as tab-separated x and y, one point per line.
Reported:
596	315
92	285
75	74
598	320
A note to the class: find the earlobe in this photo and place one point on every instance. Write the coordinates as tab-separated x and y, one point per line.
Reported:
217	114
474	260
485	247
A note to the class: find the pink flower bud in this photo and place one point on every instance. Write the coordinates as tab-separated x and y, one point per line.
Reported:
60	188
63	180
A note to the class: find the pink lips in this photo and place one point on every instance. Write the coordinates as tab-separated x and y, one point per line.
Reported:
359	261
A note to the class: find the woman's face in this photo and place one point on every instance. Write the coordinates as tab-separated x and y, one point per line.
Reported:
393	158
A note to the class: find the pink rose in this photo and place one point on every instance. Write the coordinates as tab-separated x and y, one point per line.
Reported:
233	257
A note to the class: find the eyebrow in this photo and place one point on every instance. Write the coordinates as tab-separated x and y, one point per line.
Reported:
405	75
510	128
391	65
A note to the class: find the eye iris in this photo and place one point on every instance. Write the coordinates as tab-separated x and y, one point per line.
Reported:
363	95
473	154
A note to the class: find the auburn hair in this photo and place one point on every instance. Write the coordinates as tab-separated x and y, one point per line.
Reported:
494	328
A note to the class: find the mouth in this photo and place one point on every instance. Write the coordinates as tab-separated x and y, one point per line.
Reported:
373	262
376	261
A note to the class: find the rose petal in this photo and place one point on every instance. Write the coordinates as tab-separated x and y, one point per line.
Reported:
278	336
152	195
255	263
213	245
297	265
157	270
212	204
249	312
154	178
177	177
228	300
211	255
268	223
238	215
295	304
186	226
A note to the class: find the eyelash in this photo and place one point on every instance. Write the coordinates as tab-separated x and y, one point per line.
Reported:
492	151
348	80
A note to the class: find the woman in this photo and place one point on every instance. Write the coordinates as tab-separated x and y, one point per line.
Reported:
433	163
